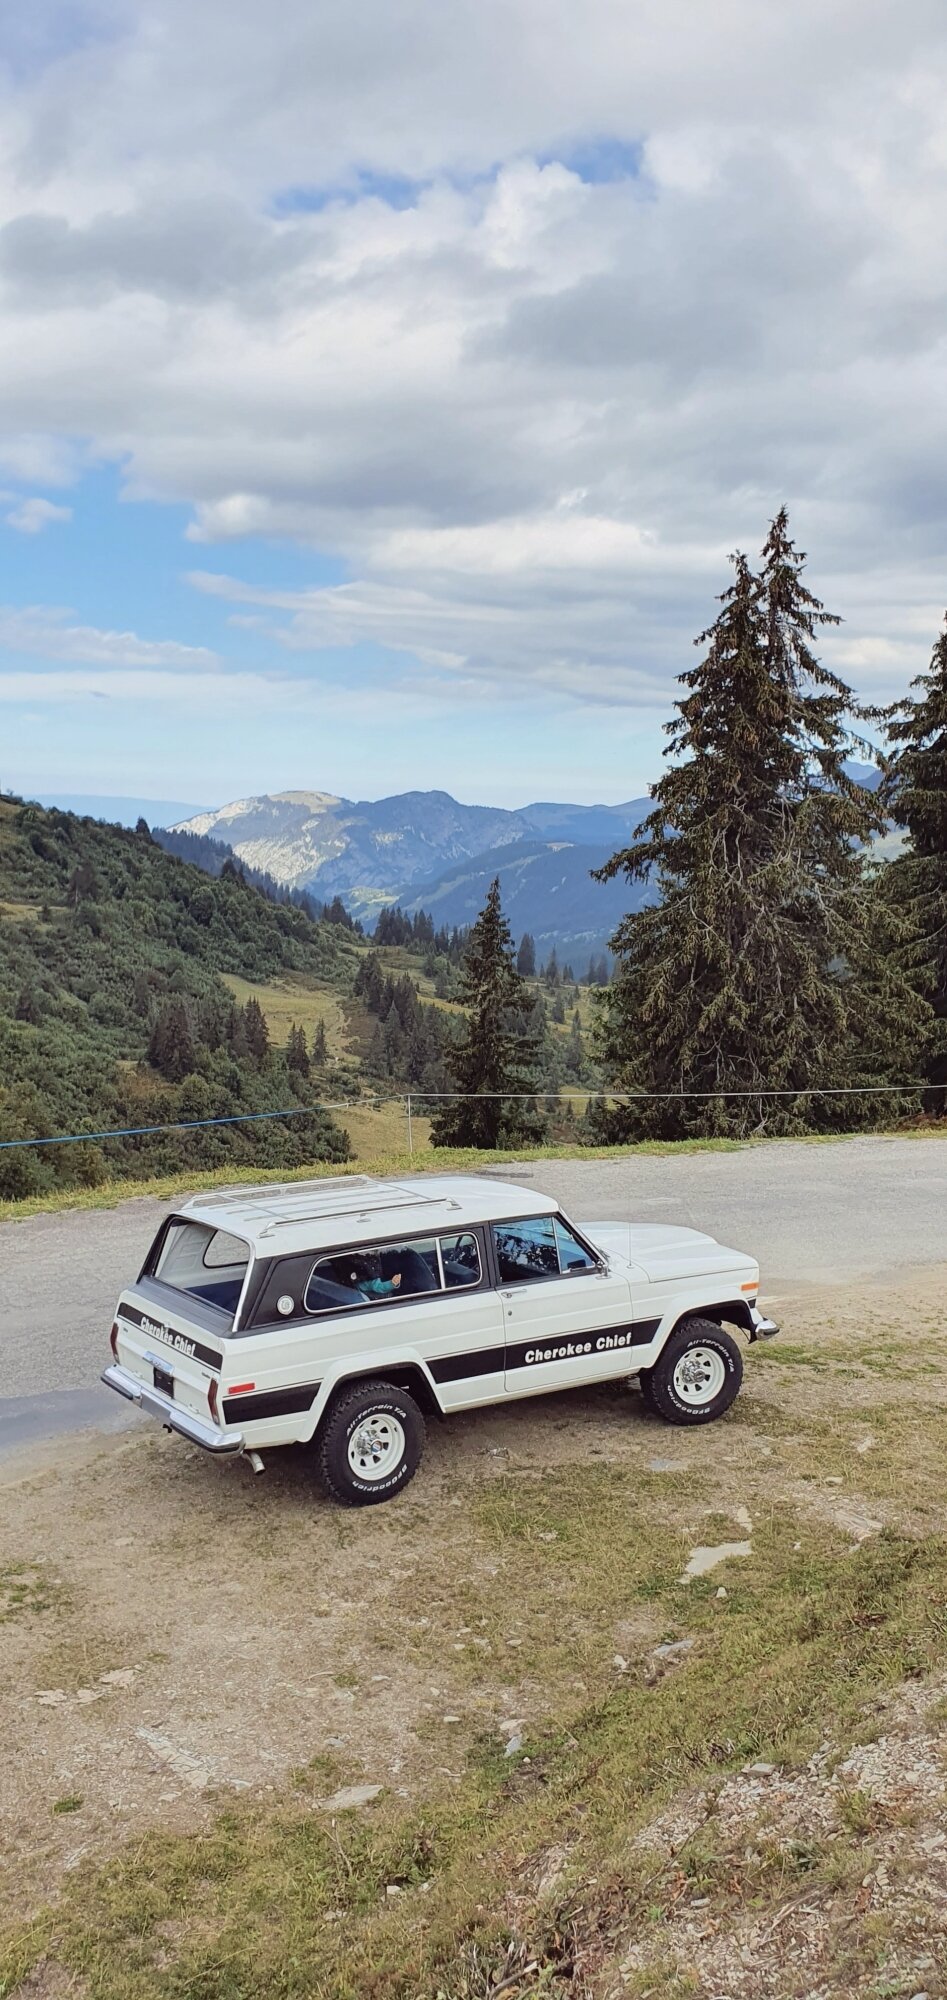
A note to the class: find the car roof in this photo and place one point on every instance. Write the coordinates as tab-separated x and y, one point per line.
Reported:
279	1219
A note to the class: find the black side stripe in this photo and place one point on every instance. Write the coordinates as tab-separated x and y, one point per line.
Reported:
169	1336
534	1353
462	1367
270	1403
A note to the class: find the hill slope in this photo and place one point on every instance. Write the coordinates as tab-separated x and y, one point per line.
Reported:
547	889
113	1011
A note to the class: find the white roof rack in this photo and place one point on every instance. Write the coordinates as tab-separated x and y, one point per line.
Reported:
349	1208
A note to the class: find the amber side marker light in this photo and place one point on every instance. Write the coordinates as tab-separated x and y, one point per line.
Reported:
753	1286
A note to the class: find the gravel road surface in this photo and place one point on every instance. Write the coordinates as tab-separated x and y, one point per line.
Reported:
855	1210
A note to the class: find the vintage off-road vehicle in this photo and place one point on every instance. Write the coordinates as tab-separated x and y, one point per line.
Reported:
340	1313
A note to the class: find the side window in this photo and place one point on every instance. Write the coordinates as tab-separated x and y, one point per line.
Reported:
460	1256
526	1250
368	1274
573	1255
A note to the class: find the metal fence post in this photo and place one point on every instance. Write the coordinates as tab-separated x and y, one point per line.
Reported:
410	1132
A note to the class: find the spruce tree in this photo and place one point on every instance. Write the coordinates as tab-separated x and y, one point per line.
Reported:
319	1049
758	968
491	1066
526	956
915	793
297	1054
257	1033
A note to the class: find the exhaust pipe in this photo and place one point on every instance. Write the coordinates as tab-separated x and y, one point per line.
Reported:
255	1460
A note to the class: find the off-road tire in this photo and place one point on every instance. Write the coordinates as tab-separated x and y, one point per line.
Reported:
662	1393
350	1416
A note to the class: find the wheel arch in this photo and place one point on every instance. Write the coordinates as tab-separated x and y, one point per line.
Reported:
407	1375
736	1312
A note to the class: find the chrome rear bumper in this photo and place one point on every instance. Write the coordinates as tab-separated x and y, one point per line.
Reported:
171	1414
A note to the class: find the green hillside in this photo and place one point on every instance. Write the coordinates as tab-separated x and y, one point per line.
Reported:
115	1011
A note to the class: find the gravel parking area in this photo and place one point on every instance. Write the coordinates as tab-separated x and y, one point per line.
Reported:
814	1214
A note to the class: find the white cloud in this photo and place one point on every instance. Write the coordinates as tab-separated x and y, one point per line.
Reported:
531	410
31	516
47	632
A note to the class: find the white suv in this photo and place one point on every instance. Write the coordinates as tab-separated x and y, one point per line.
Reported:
342	1312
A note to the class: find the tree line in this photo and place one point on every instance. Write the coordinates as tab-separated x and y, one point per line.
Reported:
785	979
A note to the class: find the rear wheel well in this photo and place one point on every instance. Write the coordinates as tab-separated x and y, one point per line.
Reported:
404	1375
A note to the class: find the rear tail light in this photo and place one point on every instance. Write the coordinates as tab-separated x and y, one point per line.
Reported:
113	1340
212	1397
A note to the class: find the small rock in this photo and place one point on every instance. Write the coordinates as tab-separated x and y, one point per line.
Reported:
507	1728
796	1547
673	1649
52	1697
703	1559
835	1482
450	1718
514	1745
120	1677
621	1663
350	1795
742	1517
548	1535
393	1889
665	1465
85	1695
721	1592
759	1770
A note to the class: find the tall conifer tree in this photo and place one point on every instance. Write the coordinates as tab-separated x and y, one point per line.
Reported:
758	969
492	1066
915	792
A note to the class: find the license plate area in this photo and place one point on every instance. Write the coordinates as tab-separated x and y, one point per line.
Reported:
164	1380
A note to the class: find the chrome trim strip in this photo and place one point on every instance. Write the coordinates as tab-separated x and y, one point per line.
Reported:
171	1414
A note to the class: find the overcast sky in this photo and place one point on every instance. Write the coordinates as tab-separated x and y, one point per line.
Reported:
383	386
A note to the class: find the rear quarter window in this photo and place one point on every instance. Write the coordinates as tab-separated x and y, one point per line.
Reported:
204	1262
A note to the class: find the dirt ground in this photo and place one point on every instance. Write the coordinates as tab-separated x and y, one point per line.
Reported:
175	1632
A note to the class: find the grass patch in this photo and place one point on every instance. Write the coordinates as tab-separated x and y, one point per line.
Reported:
284	1903
295	998
24	1588
424	1159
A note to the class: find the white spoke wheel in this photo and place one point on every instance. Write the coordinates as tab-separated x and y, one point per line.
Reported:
699	1376
696	1376
369	1443
376	1447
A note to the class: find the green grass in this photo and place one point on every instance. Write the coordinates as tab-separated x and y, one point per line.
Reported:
395	1159
282	1903
424	1159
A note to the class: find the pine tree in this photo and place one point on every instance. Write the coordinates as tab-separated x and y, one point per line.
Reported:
297	1054
915	793
491	1065
257	1033
319	1049
758	968
526	956
171	1046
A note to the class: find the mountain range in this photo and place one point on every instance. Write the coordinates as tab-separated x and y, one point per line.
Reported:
427	850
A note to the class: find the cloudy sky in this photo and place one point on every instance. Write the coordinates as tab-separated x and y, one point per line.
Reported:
382	387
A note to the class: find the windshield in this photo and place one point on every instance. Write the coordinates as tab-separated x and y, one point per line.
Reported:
208	1263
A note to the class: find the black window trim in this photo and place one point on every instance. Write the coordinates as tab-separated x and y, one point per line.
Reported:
543	1277
484	1282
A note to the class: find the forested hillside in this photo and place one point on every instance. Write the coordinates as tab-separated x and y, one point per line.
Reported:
113	1010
